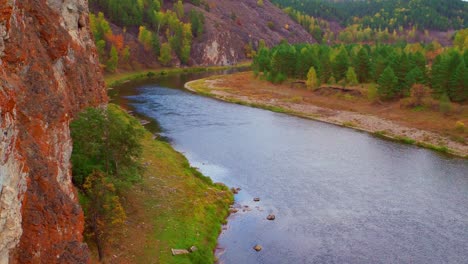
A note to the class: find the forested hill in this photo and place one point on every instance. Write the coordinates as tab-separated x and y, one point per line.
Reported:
133	34
392	14
379	21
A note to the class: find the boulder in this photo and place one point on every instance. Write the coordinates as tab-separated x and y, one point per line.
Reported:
193	249
271	217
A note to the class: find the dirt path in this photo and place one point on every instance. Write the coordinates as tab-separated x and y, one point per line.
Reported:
428	129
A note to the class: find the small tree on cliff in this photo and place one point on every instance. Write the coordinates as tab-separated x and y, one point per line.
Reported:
105	216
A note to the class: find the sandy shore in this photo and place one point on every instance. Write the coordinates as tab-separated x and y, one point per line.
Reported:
281	100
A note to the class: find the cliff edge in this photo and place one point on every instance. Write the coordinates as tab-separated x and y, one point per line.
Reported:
49	71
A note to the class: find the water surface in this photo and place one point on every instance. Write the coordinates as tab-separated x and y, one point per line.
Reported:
339	195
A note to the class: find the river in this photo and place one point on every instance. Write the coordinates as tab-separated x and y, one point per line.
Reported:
339	195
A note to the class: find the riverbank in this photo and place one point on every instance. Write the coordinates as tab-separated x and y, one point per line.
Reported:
173	207
116	79
425	128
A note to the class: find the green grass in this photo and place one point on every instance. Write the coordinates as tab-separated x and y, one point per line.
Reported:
442	149
349	124
380	134
405	140
117	79
183	207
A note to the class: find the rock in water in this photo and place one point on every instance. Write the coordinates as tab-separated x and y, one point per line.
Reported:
271	217
257	248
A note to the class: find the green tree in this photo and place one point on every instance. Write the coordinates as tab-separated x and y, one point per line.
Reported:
445	106
414	76
113	61
179	9
351	77
341	64
387	82
156	44
104	140
458	85
312	81
363	65
166	54
105	216
126	55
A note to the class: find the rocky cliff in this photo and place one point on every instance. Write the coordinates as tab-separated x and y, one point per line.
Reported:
231	24
48	73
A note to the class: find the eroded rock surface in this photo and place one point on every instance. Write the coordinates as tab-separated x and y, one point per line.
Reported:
231	24
49	71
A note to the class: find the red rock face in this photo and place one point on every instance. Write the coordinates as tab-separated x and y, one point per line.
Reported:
49	71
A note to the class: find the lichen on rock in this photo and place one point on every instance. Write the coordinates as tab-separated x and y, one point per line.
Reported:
49	71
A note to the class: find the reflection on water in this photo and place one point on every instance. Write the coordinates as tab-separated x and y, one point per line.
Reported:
339	196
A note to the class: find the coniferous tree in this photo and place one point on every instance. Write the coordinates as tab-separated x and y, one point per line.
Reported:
413	77
312	81
341	64
351	77
363	66
458	90
388	82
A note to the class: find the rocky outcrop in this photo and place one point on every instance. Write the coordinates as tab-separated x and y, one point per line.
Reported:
231	24
49	71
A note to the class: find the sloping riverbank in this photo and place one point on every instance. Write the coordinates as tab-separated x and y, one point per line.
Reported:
174	206
243	88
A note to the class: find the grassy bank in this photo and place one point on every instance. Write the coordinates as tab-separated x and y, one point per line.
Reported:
429	129
116	79
174	206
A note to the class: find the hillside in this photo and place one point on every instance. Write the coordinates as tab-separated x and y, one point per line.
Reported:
223	32
379	21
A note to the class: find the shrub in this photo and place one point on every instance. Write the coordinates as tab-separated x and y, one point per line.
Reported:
460	126
372	93
445	106
279	78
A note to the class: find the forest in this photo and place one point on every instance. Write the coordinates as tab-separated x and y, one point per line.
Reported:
391	14
376	21
394	68
163	32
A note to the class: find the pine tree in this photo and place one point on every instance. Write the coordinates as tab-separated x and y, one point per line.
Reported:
458	85
351	77
387	84
341	64
414	76
363	67
312	81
